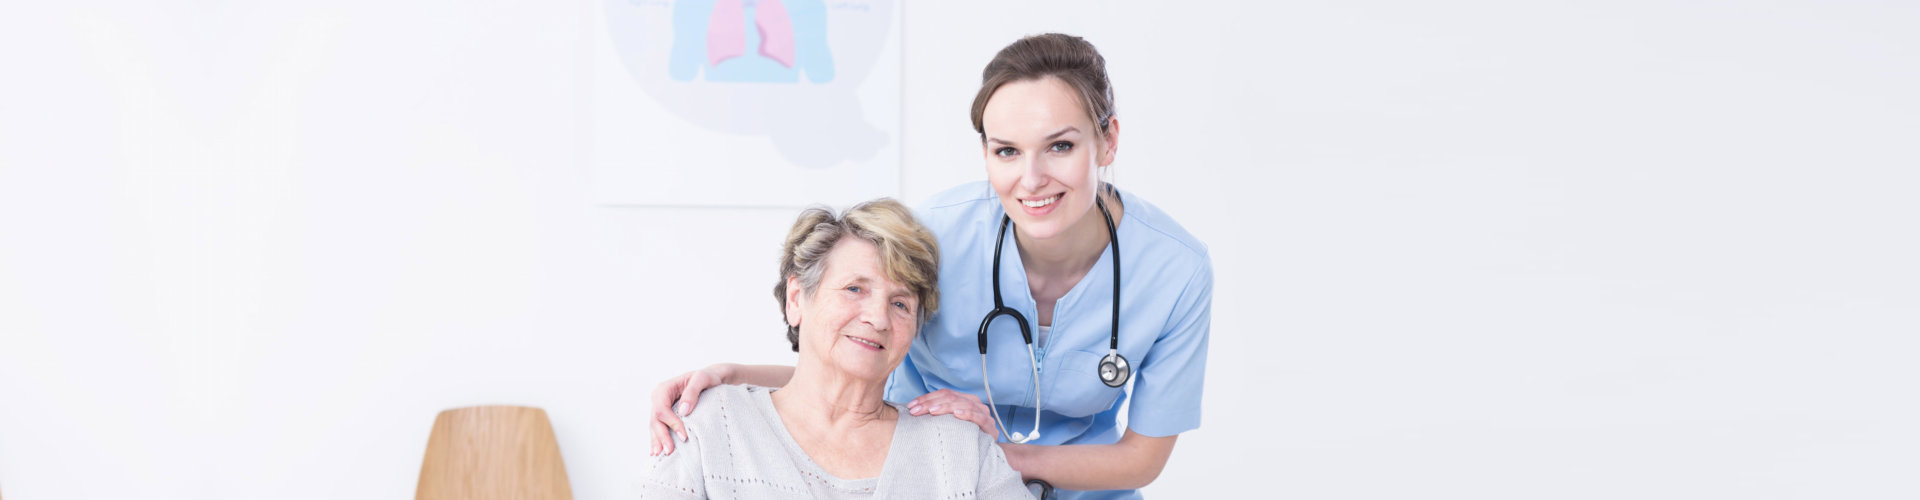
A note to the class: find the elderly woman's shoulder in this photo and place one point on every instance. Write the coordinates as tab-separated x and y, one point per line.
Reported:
954	432
718	401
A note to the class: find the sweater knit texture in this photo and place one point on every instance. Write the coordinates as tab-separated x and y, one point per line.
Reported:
737	447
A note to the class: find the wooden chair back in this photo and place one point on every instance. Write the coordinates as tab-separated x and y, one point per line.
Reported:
493	453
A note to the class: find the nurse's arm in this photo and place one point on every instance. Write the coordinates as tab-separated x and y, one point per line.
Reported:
775	376
677	396
1134	462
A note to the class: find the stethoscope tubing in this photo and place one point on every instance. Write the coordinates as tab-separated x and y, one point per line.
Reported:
1114	369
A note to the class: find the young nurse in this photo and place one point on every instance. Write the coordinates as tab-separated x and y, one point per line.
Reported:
1045	114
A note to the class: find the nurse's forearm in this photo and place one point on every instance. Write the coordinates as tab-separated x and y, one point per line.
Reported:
760	375
1134	462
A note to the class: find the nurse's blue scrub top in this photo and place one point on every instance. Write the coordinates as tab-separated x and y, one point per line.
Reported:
1167	298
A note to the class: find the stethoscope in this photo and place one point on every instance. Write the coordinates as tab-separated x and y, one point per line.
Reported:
1040	489
1114	369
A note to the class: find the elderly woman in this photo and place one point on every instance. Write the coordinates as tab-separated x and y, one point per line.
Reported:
854	289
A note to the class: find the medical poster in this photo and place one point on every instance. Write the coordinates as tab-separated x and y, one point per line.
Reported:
744	103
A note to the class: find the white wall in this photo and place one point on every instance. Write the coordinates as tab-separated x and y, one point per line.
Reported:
1480	250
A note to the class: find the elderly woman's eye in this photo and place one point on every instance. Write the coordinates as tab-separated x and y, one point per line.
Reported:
853	288
901	305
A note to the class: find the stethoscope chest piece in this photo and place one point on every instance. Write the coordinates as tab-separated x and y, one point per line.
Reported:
1114	370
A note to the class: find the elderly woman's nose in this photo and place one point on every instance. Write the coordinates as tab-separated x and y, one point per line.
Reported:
874	312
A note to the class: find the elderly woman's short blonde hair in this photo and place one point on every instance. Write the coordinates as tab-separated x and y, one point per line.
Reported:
908	251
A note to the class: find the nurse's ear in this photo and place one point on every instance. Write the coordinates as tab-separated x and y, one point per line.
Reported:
1110	142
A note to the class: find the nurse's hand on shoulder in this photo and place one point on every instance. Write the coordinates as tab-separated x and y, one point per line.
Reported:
962	405
685	390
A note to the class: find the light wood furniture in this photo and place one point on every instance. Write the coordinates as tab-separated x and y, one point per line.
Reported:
493	453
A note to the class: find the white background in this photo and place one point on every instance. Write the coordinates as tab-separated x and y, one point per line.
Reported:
1482	250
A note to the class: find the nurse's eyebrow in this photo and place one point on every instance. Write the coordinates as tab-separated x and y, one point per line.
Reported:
1050	137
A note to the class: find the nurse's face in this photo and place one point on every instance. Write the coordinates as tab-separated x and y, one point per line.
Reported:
1043	155
858	322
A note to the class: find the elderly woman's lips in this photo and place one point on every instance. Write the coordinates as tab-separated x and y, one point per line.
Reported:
865	342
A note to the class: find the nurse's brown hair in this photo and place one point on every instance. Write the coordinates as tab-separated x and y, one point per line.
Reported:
1067	57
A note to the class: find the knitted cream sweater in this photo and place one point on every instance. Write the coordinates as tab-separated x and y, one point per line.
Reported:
738	448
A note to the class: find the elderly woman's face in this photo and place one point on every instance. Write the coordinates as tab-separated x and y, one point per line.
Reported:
858	321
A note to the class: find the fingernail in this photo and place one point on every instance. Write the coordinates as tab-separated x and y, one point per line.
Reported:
961	413
680	409
683	436
913	409
937	408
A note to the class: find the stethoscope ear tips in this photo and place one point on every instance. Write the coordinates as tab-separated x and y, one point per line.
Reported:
1114	370
1040	489
1024	438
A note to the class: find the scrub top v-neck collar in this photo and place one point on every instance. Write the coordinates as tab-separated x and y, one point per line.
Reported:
1014	277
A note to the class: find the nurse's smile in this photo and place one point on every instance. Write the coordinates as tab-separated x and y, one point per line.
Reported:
1038	207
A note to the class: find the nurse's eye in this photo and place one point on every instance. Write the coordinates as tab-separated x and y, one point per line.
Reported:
1006	152
1061	147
